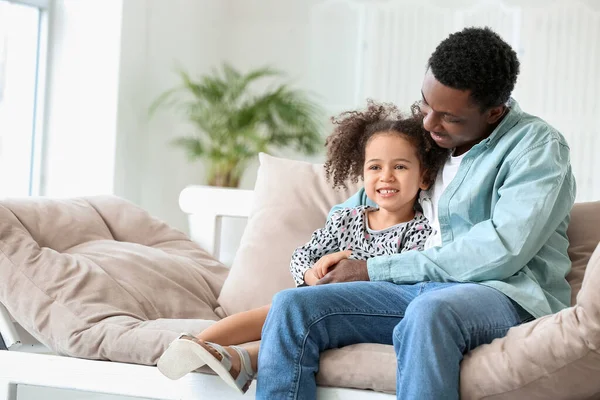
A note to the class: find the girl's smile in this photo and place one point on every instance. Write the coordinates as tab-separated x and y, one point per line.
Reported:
387	192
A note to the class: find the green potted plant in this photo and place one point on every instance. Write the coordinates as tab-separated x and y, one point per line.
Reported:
234	123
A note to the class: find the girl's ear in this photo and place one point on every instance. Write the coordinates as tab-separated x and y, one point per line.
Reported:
425	181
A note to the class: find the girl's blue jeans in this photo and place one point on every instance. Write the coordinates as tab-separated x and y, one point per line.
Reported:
431	326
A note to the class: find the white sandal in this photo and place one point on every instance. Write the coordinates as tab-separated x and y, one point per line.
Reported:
181	357
187	353
219	360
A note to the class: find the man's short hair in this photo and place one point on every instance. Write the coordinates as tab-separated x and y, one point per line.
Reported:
477	59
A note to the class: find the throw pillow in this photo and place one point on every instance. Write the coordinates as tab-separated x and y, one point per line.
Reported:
291	200
99	278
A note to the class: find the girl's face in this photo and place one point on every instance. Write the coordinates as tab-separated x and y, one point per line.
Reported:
392	172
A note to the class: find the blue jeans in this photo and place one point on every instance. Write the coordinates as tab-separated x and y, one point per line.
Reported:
431	326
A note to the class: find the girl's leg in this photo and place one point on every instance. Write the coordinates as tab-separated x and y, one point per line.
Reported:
237	328
183	354
236	365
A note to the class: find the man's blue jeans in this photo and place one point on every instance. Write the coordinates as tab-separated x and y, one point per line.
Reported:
431	326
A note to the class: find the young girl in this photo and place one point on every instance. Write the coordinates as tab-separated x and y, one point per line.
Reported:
396	159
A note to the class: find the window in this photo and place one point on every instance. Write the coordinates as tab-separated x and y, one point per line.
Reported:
22	62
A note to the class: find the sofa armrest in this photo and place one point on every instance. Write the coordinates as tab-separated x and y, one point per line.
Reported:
8	334
206	205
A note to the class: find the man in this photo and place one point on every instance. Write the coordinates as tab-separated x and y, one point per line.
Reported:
498	257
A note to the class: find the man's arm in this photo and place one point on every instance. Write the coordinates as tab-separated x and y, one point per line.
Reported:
535	198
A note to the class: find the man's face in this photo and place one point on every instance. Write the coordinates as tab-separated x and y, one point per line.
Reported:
452	119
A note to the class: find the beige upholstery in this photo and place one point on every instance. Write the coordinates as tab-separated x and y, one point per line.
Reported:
553	357
584	235
99	278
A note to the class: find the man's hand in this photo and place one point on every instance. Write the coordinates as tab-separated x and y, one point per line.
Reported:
322	266
346	271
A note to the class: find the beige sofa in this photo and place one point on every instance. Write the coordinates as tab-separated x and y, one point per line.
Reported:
99	278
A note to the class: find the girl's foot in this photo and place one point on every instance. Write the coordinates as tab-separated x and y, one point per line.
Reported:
180	358
231	363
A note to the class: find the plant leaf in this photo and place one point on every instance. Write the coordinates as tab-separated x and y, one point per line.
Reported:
234	123
193	146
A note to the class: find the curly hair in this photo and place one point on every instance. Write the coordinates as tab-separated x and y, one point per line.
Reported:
346	145
477	59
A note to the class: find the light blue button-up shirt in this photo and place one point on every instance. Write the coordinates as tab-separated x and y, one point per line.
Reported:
503	219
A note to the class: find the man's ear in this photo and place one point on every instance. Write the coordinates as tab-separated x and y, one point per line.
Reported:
495	113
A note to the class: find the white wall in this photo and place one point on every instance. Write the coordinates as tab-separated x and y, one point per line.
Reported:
82	91
197	35
101	140
157	37
318	43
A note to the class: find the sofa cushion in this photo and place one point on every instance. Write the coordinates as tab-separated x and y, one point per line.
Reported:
99	278
362	366
583	235
553	357
291	200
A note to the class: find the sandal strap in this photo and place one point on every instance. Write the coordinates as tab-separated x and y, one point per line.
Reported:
188	336
246	375
225	358
222	354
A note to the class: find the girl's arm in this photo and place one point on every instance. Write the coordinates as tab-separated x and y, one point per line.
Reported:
416	235
323	241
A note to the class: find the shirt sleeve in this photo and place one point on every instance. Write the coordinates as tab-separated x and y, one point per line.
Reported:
416	235
358	199
323	241
535	198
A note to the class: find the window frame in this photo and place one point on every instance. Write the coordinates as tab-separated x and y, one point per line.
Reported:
37	153
41	4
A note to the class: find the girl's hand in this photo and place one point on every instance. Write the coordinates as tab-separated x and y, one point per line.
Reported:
322	266
310	278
